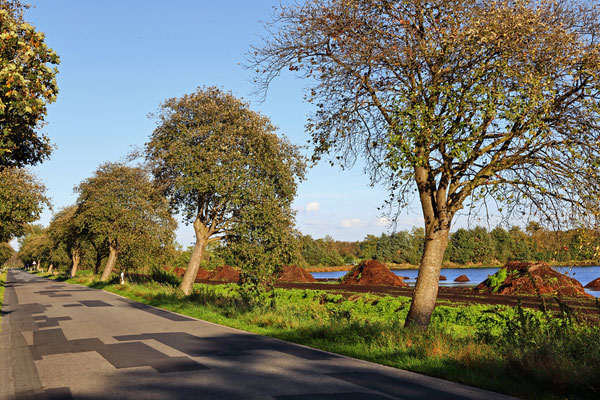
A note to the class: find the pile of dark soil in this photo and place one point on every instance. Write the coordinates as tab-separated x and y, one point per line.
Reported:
371	272
462	278
202	273
533	278
443	278
293	273
224	273
594	285
179	271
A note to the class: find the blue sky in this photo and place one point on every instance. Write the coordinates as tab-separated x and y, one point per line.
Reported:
121	59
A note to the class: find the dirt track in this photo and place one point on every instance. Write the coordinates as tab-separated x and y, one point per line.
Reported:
590	306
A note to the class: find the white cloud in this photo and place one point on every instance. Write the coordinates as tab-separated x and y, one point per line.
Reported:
312	206
383	221
352	223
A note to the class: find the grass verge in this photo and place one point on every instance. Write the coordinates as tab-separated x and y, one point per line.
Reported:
520	352
2	285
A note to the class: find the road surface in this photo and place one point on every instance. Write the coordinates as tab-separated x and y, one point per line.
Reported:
62	341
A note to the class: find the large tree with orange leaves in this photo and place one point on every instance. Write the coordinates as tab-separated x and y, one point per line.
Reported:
452	101
27	85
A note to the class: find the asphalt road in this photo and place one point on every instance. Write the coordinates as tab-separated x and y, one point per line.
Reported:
62	341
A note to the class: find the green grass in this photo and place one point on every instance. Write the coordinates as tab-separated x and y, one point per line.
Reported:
524	353
2	285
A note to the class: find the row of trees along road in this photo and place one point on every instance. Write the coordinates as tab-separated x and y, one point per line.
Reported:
27	85
119	213
452	101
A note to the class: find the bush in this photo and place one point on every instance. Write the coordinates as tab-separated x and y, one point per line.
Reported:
553	350
161	276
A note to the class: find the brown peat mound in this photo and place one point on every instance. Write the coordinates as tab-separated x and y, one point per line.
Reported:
462	278
594	285
443	278
179	271
293	273
202	273
224	273
532	278
371	272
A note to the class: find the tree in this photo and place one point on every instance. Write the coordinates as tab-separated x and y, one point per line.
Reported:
27	84
6	252
263	239
213	156
22	200
503	244
451	100
66	233
35	247
120	206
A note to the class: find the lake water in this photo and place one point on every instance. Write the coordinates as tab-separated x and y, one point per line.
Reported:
476	275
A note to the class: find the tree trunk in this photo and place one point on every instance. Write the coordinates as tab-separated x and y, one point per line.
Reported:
50	268
426	290
110	263
75	258
202	235
98	264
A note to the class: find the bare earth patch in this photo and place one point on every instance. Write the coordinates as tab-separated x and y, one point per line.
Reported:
293	273
372	272
224	273
532	278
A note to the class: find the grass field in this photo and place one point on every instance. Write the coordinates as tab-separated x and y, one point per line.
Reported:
529	354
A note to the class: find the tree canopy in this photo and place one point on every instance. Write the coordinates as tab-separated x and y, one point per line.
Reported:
68	238
22	199
36	247
214	158
27	85
120	206
6	252
452	100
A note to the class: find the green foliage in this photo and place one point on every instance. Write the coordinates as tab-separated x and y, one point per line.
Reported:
2	286
399	247
471	246
467	246
159	275
497	279
36	246
323	252
262	241
27	84
223	167
120	207
210	150
6	252
565	353
22	199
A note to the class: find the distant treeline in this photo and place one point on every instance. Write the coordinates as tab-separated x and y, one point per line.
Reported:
467	246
